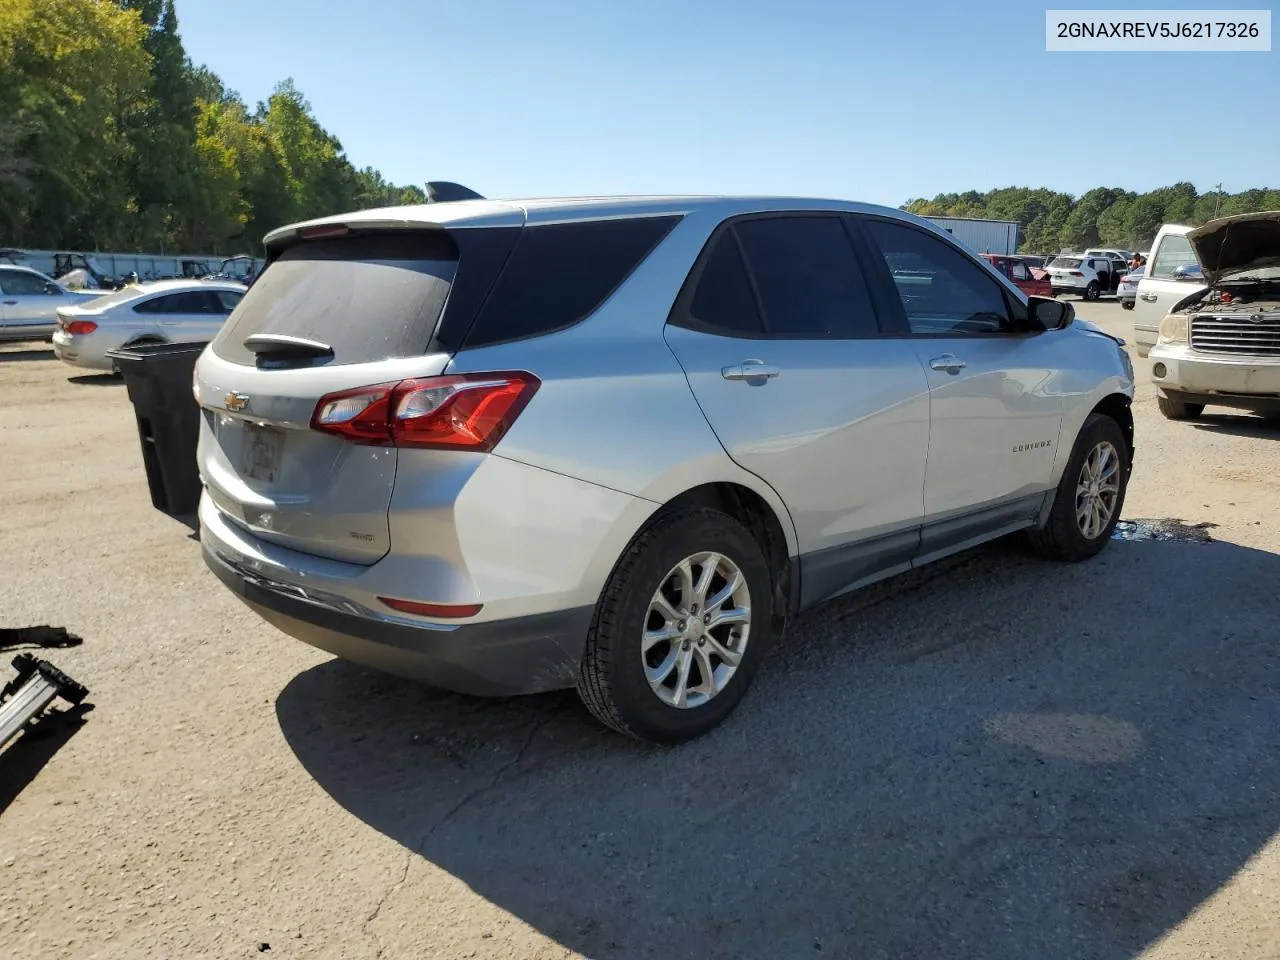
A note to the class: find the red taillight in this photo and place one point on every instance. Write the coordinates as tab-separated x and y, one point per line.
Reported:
468	412
79	326
324	231
446	611
1076	273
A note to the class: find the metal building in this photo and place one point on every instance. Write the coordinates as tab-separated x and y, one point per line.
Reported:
982	236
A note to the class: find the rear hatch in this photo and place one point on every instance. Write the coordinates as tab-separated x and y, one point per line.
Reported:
328	315
1066	269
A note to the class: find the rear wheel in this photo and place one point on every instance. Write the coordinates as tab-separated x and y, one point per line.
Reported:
680	628
1175	409
1089	496
1127	304
1092	291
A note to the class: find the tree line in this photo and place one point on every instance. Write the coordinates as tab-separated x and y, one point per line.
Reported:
112	139
1102	217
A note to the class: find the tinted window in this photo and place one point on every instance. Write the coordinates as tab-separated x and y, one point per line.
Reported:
1175	251
807	276
19	282
198	302
226	300
560	273
1019	271
723	298
942	291
369	298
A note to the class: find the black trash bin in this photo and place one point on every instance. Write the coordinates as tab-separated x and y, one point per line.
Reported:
158	378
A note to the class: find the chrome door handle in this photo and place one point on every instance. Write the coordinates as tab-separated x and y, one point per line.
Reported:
948	362
750	370
1149	297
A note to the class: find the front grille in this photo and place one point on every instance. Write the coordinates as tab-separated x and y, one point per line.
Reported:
1237	334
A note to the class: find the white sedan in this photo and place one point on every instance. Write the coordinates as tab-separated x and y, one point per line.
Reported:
29	301
170	311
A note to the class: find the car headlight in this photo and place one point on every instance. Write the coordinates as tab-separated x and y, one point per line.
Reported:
1173	329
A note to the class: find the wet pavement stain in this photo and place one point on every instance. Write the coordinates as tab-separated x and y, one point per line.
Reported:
1168	530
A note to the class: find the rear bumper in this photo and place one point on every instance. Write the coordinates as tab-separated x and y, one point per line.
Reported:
1237	381
498	658
80	351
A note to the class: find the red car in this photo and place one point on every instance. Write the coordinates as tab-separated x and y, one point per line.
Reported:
1032	281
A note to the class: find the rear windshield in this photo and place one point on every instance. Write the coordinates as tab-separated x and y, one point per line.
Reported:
1065	262
369	298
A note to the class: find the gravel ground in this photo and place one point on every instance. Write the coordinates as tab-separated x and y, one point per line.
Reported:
991	758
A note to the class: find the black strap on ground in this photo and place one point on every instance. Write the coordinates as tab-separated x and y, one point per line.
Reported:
45	636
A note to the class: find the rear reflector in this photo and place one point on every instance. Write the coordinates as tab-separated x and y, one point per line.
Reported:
468	412
79	326
445	611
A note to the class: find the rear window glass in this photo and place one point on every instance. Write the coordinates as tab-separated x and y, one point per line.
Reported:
724	300
1066	262
369	298
560	273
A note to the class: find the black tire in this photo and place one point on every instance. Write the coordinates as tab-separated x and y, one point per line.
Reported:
1126	304
1092	291
611	679
1175	409
1061	537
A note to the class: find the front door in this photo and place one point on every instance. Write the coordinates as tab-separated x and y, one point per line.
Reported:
1160	289
995	402
783	350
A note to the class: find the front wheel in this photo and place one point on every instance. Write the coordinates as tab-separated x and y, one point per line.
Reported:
1090	495
680	628
1092	291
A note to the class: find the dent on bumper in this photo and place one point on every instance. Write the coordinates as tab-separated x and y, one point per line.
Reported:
499	658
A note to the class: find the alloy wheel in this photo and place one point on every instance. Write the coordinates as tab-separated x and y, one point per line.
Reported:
1097	490
696	630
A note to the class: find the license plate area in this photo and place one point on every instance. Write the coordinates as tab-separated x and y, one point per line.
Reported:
261	453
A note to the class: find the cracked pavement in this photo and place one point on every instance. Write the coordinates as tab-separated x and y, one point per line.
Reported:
991	758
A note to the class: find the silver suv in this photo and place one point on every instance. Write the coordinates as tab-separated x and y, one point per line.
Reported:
509	447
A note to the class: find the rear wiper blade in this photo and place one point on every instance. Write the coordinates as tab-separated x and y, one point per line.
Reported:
280	346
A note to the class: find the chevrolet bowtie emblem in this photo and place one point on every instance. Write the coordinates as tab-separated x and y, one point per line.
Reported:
235	402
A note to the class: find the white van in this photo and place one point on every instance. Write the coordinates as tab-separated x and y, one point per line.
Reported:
1172	274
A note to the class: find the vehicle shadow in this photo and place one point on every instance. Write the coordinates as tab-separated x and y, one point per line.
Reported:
34	353
98	380
1240	425
995	757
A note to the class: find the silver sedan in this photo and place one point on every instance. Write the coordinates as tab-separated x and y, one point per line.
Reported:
29	301
171	311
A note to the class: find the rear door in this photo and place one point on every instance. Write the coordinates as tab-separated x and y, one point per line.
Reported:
777	333
996	408
368	306
1159	290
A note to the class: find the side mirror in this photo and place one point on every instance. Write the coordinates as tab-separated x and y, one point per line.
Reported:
1045	313
1188	271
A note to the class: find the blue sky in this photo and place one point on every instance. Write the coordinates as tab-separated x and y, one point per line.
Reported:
878	101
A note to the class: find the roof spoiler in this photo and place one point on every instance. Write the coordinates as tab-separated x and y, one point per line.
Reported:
444	191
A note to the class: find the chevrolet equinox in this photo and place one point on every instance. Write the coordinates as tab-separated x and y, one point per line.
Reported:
615	444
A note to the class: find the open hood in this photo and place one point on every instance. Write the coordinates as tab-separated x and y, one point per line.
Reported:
1235	245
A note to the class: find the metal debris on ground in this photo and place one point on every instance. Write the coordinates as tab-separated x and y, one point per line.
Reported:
26	696
43	636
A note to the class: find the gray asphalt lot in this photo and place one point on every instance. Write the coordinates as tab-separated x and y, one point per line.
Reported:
994	757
